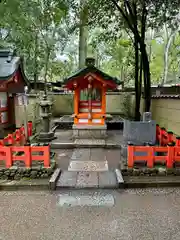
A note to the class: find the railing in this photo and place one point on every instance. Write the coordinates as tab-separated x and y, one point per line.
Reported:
164	137
18	137
149	154
27	154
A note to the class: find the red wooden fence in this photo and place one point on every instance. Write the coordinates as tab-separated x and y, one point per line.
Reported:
18	137
170	157
164	137
7	154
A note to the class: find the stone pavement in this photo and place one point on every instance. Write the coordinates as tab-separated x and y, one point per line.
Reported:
89	168
84	179
64	156
65	138
143	214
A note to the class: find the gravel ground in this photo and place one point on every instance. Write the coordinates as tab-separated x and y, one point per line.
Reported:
152	214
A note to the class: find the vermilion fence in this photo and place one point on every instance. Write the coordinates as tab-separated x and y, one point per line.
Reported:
164	137
18	137
27	154
149	154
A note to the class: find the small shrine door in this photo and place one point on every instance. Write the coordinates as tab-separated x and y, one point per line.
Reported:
91	108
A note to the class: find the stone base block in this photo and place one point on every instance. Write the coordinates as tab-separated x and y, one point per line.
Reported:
46	137
89	131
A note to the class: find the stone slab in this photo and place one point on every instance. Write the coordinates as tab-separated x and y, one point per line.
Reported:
119	177
67	179
151	181
89	142
89	127
87	179
93	199
25	185
139	132
107	179
98	154
89	131
54	178
81	154
61	145
88	166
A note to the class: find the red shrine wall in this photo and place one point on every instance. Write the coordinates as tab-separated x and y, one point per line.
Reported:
8	90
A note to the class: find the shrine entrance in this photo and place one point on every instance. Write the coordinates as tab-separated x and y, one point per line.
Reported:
90	86
91	104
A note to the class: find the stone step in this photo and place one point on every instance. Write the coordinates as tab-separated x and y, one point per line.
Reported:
92	198
85	143
85	179
88	166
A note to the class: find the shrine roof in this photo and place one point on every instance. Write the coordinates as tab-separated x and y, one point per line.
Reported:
90	68
9	64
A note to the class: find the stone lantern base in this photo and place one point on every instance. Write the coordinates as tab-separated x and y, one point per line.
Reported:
89	131
46	136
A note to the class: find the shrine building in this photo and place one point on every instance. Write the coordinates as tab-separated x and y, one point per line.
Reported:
90	86
12	83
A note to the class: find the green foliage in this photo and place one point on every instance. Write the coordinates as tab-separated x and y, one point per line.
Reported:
36	27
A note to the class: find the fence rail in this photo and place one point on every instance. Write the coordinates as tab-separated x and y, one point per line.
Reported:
149	154
18	137
27	154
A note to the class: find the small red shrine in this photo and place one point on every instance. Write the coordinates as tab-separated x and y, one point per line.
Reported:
12	81
90	86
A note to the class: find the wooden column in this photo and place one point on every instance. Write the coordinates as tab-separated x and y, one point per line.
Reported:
76	104
103	102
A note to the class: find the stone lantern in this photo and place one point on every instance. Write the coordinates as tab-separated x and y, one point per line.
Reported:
46	135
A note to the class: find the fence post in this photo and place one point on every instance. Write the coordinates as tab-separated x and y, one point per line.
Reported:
178	141
150	154
157	132
30	128
130	150
10	139
170	136
8	157
46	156
170	156
27	151
162	133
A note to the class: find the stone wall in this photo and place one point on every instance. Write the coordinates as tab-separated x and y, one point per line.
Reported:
116	103
166	112
33	113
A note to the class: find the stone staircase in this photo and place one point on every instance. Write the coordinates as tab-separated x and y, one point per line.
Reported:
86	174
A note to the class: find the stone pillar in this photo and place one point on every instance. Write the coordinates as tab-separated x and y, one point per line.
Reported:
147	116
89	101
46	135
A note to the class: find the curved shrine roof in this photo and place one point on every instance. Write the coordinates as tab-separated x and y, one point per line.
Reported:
91	69
9	64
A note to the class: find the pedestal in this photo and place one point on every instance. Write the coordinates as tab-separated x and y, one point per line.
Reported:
46	135
89	131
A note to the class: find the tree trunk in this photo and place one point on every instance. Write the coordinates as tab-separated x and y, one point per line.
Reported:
137	90
48	52
145	61
83	33
147	78
36	63
166	56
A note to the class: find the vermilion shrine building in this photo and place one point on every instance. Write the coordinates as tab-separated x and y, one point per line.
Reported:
90	86
12	82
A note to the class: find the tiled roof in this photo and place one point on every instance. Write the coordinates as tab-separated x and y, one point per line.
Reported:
9	63
166	96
